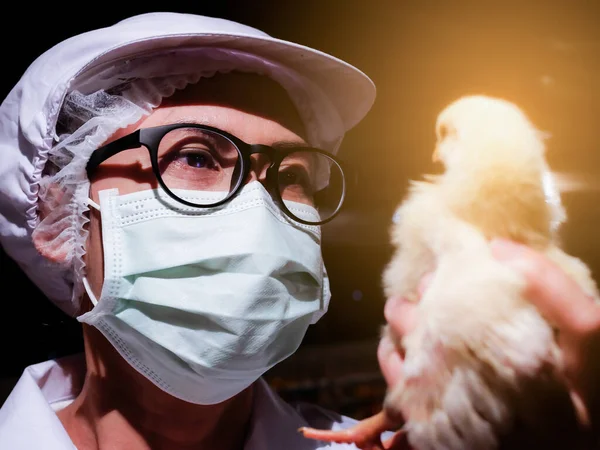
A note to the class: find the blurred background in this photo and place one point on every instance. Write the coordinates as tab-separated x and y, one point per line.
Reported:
543	55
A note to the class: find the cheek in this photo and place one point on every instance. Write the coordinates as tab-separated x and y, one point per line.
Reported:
129	171
124	185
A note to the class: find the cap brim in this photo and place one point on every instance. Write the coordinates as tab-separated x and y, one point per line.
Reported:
351	91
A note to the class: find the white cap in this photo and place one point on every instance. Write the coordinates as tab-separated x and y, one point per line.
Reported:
29	113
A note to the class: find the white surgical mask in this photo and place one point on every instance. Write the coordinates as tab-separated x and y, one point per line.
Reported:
204	301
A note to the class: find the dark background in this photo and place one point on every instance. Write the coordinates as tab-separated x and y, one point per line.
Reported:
543	55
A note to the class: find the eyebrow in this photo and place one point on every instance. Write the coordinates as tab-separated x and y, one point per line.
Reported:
189	120
278	144
290	144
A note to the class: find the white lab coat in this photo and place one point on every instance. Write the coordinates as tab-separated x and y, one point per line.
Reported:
28	420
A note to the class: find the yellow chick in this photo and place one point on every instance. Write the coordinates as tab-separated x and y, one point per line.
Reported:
482	364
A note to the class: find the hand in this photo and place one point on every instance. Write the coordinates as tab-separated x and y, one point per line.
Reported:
564	304
575	315
400	315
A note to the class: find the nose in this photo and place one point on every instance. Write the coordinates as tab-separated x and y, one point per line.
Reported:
259	163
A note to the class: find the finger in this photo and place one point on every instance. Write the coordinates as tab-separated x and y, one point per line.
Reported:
366	434
399	441
390	361
401	315
557	296
581	410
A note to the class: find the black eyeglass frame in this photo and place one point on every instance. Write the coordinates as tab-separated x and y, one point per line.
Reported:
150	138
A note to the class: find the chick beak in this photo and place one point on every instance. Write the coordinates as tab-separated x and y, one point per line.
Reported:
436	156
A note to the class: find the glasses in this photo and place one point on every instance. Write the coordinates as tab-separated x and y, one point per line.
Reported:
188	156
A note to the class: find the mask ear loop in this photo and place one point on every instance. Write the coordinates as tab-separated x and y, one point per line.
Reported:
86	284
93	204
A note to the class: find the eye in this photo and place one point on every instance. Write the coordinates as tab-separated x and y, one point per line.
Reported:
198	159
443	131
295	178
292	176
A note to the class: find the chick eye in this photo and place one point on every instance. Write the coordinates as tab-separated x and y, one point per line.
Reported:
444	132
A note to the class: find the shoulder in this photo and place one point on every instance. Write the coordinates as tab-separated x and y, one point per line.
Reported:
31	405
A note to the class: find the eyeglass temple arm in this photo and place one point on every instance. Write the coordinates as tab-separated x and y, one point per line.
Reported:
103	153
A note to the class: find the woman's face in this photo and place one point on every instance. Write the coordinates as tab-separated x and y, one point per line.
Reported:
251	107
